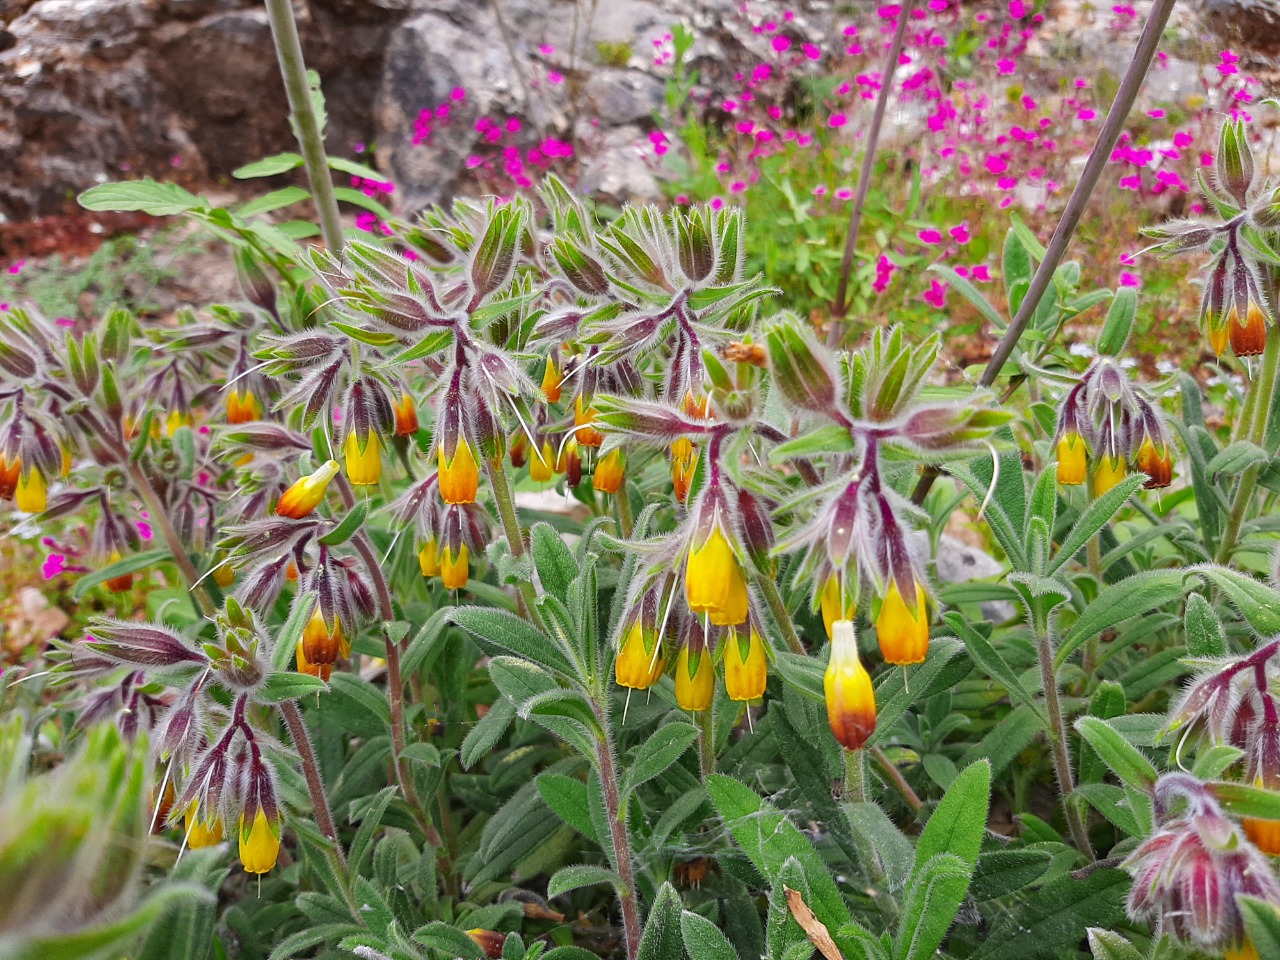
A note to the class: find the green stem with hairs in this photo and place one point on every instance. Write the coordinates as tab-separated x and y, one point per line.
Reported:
1058	743
620	841
293	70
769	587
502	496
626	521
855	776
1261	396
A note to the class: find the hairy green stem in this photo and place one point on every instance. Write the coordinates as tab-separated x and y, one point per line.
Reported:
1261	397
707	740
1095	571
315	785
840	306
1058	743
160	518
293	70
895	777
626	521
511	527
618	834
855	776
769	587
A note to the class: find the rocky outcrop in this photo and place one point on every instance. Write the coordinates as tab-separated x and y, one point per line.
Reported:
94	90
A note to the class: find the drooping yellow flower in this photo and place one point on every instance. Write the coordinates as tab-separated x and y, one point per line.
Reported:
1245	951
429	559
714	583
65	468
832	607
637	666
406	414
1248	338
242	407
1108	472
542	464
1219	332
306	493
1156	463
10	472
454	570
1073	459
364	466
459	475
224	574
323	643
122	583
176	419
684	458
588	435
745	671
259	843
851	700
199	833
695	679
32	494
903	633
609	470
322	670
551	381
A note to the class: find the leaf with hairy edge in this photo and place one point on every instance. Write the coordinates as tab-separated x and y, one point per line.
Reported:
657	753
703	939
450	941
1246	801
146	195
1096	516
488	730
896	693
1262	920
553	560
509	632
1130	597
1126	761
662	939
932	898
1257	602
1052	919
990	660
288	686
568	800
1109	945
268	166
575	877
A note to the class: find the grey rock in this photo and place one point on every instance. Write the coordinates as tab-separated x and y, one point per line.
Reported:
615	169
958	562
1253	23
623	96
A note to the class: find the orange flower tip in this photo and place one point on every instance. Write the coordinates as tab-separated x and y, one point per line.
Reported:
406	415
903	633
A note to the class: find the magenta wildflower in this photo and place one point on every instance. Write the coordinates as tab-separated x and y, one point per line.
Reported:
53	565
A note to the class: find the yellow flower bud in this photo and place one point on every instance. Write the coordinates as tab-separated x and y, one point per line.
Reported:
242	407
832	608
714	582
695	682
1073	459
224	575
321	670
305	494
454	571
636	665
851	700
32	494
551	381
259	843
429	559
459	476
406	413
10	472
176	419
364	467
1156	463
902	632
542	465
745	671
1108	472
199	833
609	470
321	642
588	436
1219	335
1245	951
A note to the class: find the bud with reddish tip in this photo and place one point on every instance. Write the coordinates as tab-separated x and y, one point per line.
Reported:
851	700
584	418
901	628
406	415
608	474
305	494
490	941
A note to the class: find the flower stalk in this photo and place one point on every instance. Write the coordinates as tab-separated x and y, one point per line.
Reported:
620	841
1058	743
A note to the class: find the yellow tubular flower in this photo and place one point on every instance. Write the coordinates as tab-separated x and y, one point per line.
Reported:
635	666
1219	336
10	473
695	682
609	470
903	634
65	470
176	419
551	381
745	675
542	464
259	844
122	583
364	468
1156	463
851	700
1073	459
713	581
832	609
454	571
429	559
406	413
32	495
321	670
1108	472
321	642
242	407
305	494
199	833
459	476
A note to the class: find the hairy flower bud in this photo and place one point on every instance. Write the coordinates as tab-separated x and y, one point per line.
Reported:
639	663
607	477
695	675
364	460
902	630
851	700
259	843
306	494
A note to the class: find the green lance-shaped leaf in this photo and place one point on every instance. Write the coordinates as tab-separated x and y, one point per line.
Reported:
662	938
1125	760
1115	329
657	753
1205	636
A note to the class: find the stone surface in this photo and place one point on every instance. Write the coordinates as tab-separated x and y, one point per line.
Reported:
1253	23
960	562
